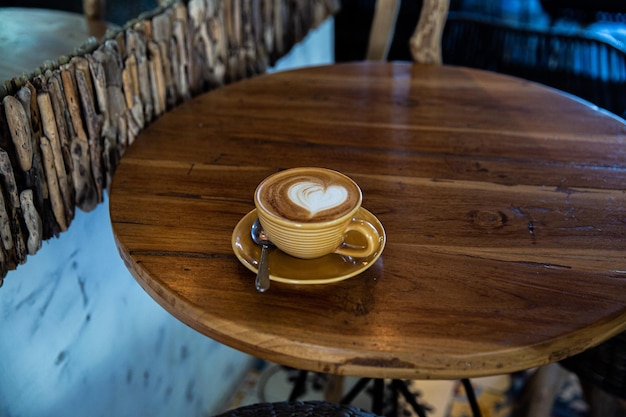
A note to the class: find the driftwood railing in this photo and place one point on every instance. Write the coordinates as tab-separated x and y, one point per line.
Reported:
64	128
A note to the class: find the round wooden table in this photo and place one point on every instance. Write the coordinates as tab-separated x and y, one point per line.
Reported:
28	37
504	205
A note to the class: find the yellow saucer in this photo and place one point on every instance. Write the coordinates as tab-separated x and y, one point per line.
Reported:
286	268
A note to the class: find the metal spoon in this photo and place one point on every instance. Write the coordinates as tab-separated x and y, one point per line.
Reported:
260	238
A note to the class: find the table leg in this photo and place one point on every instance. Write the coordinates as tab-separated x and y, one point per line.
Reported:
378	397
299	386
409	397
333	391
378	393
358	387
471	397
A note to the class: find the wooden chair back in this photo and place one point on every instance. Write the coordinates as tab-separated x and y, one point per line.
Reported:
425	43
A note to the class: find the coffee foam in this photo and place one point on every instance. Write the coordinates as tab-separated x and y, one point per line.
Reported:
308	196
314	197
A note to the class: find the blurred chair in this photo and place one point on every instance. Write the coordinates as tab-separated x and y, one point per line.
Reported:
297	409
390	30
425	42
602	374
589	62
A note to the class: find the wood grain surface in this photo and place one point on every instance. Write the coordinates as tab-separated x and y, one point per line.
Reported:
503	201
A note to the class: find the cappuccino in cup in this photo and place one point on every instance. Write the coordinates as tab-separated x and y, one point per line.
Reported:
306	213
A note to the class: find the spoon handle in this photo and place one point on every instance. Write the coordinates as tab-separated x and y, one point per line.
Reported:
263	275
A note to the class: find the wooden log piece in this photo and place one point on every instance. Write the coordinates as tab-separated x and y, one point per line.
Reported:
86	197
133	126
70	89
297	21
114	146
24	96
162	33
19	125
217	31
6	234
110	152
35	117
279	27
218	47
162	26
168	63
82	64
57	162
109	124
210	50
232	23
157	78
261	57
12	86
177	69
18	255
256	21
93	121
180	33
120	44
35	178
100	93
56	197
207	58
197	10
134	113
145	26
136	45
196	50
10	119
198	69
112	63
130	82
212	7
32	220
197	64
59	106
249	37
122	133
180	12
267	14
4	267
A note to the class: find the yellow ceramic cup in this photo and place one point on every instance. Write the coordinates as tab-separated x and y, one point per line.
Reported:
307	212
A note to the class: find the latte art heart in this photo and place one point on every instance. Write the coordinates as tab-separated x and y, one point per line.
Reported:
315	198
308	195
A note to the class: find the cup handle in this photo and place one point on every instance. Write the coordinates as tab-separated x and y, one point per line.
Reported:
369	232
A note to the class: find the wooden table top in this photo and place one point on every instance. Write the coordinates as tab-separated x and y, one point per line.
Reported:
503	201
28	37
